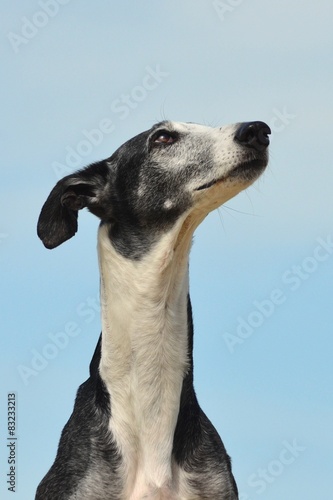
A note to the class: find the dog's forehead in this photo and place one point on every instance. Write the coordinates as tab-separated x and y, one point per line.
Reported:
185	127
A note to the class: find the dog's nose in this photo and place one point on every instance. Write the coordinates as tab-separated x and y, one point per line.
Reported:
253	135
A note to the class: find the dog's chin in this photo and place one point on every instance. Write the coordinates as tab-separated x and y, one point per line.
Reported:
247	172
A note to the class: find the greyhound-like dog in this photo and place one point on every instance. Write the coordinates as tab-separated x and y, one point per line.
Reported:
137	431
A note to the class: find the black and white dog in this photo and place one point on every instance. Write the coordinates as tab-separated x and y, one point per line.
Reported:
137	431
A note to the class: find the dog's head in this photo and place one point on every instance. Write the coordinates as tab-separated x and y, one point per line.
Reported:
154	179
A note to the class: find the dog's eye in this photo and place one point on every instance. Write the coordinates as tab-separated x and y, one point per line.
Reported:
164	137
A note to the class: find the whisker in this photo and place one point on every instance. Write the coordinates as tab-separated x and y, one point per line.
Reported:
240	211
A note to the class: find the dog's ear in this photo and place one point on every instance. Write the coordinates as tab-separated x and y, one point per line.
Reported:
58	218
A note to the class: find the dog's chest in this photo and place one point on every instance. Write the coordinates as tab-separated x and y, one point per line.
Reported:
178	489
145	396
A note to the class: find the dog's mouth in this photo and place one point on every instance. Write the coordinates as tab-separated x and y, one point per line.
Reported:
246	171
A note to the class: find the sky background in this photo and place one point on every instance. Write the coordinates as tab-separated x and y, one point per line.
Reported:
261	268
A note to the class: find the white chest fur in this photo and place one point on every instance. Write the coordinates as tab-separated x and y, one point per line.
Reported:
144	359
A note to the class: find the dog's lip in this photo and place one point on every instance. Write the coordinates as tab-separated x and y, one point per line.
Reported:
208	184
249	169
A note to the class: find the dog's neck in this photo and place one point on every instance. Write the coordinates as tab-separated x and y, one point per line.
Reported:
145	347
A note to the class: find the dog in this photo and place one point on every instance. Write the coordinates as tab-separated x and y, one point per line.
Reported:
137	431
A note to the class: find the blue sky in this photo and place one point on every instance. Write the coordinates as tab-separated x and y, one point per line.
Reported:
79	79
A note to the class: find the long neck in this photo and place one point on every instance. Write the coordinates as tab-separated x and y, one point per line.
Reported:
145	347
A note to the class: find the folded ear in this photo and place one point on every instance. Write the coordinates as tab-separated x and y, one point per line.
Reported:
58	218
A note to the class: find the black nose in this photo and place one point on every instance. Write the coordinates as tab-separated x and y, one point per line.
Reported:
253	135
